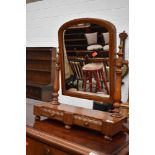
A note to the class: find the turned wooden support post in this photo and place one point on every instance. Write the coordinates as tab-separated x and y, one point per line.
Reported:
117	97
56	83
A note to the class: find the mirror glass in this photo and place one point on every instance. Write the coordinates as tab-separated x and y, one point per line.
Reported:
86	59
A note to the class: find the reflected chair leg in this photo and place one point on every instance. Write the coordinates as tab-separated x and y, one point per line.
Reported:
90	81
85	80
105	69
82	84
77	84
105	83
100	78
97	81
101	84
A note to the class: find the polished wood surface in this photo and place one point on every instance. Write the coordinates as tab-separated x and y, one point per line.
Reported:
50	137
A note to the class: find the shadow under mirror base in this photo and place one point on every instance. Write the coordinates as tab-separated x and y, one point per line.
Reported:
106	107
87	118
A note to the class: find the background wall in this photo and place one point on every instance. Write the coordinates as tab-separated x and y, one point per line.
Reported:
45	17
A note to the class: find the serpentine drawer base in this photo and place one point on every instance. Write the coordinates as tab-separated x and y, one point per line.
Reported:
72	115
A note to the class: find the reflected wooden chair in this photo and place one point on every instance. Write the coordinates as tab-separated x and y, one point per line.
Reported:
76	66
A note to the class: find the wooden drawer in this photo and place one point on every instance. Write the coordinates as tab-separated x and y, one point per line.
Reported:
54	114
38	148
87	122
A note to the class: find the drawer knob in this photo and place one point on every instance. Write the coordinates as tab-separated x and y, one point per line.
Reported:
53	114
47	151
86	123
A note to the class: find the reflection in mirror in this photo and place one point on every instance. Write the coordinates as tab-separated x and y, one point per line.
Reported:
86	57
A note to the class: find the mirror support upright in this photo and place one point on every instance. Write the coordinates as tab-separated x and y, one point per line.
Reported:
56	83
117	97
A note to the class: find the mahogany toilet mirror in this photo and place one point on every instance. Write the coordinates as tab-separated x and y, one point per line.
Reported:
90	69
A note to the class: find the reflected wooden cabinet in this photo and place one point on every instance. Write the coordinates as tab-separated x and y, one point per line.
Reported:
39	74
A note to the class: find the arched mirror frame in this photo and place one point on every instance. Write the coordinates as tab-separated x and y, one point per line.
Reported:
112	48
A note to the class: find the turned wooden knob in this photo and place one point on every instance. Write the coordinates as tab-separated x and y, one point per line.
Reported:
86	123
107	138
67	127
116	105
53	114
47	151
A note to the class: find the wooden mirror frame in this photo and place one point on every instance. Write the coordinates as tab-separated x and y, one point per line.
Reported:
112	48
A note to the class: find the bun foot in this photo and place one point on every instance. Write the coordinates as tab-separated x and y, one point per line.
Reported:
37	118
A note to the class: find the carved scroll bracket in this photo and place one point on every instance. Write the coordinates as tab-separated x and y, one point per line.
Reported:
123	37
